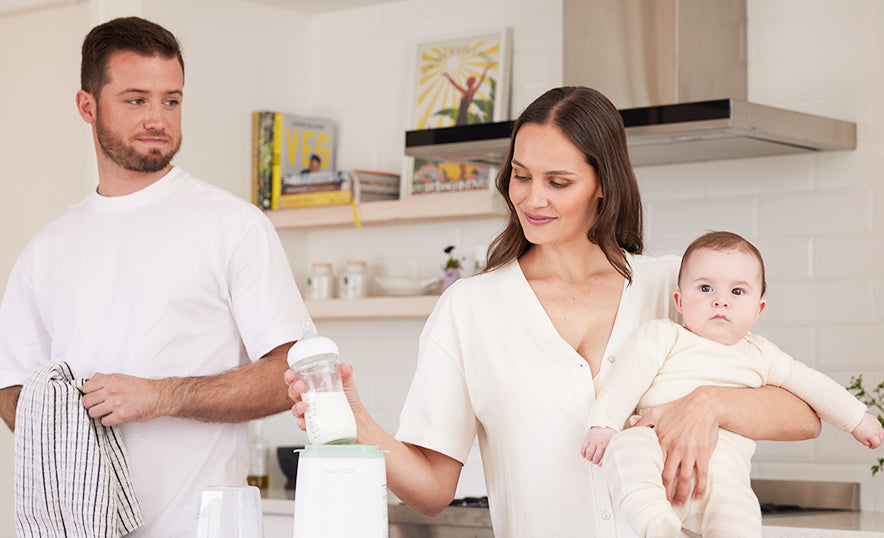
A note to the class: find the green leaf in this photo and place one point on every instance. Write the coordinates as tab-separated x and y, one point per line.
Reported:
873	400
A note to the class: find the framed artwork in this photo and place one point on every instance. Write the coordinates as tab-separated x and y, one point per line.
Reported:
457	82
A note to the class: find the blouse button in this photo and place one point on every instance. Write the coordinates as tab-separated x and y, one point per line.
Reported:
611	358
606	515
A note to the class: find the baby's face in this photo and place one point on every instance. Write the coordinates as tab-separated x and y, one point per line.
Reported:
719	294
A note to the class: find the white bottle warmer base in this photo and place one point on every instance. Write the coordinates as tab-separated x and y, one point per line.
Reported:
341	492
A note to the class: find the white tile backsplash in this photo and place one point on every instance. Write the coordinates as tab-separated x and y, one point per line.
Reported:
849	256
837	446
799	342
828	211
741	176
855	168
689	218
784	451
785	257
878	300
672	181
819	302
855	347
836	29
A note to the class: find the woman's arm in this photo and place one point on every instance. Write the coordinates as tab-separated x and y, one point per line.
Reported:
422	478
688	428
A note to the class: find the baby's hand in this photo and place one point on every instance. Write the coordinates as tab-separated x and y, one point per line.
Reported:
869	431
596	442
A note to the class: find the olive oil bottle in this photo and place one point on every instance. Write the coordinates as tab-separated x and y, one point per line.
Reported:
259	453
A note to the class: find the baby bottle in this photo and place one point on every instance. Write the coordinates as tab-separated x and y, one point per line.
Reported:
329	417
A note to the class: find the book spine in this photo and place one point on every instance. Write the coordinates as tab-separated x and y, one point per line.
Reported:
276	188
386	189
309	199
266	165
256	152
307	178
376	197
315	187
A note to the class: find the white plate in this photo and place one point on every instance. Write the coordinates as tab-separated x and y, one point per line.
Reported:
402	285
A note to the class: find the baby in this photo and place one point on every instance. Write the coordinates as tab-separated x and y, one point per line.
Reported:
720	296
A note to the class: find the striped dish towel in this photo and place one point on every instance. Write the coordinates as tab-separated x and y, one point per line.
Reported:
71	473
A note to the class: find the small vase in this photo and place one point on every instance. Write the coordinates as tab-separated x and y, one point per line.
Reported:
450	276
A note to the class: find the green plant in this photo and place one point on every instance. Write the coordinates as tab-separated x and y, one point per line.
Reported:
874	400
452	263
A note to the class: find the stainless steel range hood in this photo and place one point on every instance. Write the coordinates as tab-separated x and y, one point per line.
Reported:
677	71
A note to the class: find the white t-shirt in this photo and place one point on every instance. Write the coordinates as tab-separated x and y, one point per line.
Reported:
492	363
177	279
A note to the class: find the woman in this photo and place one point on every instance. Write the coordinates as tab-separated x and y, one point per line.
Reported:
515	354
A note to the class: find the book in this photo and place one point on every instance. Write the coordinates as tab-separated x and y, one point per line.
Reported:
321	181
376	197
371	186
307	178
262	158
430	176
299	147
309	199
317	187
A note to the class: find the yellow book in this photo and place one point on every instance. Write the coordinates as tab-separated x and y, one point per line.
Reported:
309	199
255	187
300	145
276	176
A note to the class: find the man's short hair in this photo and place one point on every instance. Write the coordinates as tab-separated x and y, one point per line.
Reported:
123	34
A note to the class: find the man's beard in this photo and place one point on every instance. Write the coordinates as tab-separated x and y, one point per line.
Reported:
127	157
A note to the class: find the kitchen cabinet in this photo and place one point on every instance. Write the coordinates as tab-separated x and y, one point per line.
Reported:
429	208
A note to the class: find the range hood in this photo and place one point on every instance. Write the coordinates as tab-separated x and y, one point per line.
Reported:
677	70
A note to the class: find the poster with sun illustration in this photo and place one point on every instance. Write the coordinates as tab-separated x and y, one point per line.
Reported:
458	82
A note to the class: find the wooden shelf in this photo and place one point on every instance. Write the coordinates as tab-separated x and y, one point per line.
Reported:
425	208
416	306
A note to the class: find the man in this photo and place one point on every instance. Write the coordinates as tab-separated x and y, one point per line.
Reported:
173	297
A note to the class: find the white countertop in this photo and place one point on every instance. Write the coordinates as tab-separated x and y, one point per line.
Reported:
813	525
825	524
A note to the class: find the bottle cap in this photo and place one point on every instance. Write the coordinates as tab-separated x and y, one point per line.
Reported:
315	347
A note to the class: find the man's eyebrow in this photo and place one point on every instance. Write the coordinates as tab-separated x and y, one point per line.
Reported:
143	92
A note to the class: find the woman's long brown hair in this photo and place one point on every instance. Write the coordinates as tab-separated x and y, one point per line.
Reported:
593	125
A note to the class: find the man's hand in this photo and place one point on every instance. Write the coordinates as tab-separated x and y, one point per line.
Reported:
119	398
688	432
8	404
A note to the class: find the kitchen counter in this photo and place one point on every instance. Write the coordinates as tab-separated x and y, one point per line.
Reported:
825	524
474	521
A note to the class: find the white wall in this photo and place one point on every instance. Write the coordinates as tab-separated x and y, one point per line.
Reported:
42	150
809	214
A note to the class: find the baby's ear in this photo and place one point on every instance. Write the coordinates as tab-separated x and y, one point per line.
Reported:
676	296
761	305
